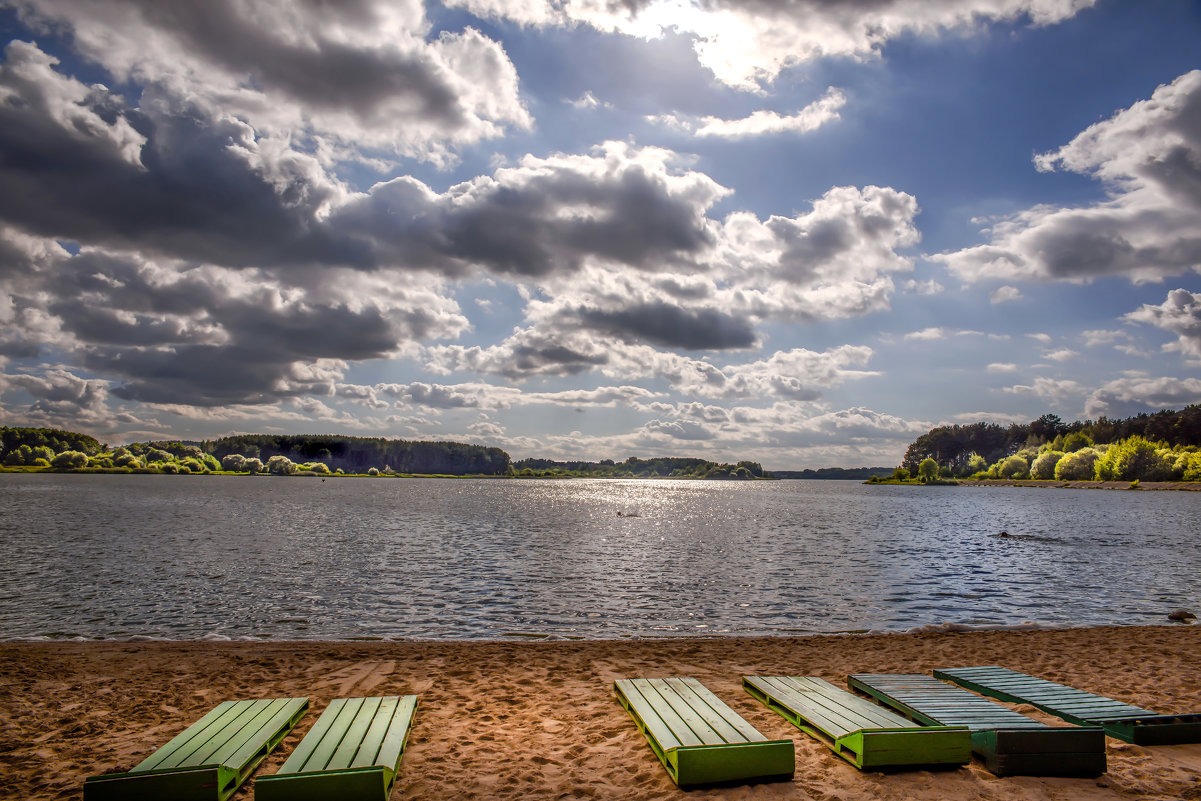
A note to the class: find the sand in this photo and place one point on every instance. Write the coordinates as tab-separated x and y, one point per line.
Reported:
538	720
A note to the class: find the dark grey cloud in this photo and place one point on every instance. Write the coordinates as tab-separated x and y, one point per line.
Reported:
546	216
672	326
317	70
184	193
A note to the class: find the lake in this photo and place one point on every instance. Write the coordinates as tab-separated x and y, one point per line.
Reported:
194	557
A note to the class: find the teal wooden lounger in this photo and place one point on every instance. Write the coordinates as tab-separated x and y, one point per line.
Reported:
1010	744
352	753
864	734
697	737
1121	720
210	760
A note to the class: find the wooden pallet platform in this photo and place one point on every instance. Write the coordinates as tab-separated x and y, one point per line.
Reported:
1009	743
697	737
352	753
1121	720
208	760
865	734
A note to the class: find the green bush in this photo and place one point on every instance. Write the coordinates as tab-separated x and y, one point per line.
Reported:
1013	467
1076	441
1043	468
234	463
928	469
1077	466
280	465
71	459
1133	458
127	459
1188	466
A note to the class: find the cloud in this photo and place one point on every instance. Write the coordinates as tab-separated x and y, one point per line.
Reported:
1004	295
1149	158
670	326
799	374
1056	389
763	122
1124	396
360	74
930	287
934	332
1179	314
588	101
1002	367
170	333
1061	354
60	396
1098	336
747	43
677	429
621	205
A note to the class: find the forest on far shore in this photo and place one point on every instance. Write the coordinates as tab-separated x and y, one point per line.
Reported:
1162	446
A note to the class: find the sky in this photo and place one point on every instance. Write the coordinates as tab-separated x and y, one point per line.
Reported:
801	232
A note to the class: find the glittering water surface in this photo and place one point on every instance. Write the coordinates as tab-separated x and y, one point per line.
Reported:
293	558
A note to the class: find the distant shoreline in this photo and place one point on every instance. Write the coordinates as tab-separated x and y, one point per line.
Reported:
1186	486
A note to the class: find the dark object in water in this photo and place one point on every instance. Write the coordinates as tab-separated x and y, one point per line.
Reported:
1003	534
1181	615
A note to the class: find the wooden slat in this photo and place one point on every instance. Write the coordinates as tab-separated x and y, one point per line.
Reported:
299	759
392	744
323	754
741	729
691	718
370	743
352	738
646	715
660	709
182	746
834	703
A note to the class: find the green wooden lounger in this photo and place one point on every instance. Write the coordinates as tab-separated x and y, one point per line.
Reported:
698	738
1010	744
1123	721
352	753
864	734
208	760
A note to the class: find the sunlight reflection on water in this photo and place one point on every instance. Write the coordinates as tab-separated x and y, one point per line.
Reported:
279	558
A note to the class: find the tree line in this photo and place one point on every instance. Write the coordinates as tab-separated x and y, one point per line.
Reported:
633	467
280	455
1162	446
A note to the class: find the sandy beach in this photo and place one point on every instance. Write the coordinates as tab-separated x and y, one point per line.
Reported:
538	720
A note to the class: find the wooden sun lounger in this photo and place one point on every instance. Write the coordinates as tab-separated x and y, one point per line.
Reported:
352	753
1009	743
1121	720
864	734
697	737
208	760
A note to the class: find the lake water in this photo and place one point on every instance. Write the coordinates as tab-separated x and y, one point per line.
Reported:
120	557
